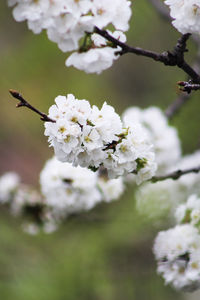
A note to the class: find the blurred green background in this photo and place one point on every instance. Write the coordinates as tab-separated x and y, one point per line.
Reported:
105	254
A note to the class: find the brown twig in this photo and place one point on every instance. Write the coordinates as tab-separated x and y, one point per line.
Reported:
175	175
23	102
168	58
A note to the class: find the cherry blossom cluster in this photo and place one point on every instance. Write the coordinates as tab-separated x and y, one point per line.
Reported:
91	137
164	137
24	201
37	216
65	190
189	212
69	190
185	14
177	252
70	24
99	56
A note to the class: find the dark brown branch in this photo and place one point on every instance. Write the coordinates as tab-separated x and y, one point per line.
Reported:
190	71
23	102
173	58
126	48
175	175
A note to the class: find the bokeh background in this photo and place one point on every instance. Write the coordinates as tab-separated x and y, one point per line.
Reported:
104	254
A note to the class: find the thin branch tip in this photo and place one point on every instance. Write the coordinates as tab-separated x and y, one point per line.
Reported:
23	102
175	175
168	58
15	94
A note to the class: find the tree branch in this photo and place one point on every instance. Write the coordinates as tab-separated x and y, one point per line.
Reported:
175	175
173	58
23	102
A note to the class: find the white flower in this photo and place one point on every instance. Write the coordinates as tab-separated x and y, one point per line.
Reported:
9	182
176	241
133	154
92	137
99	58
160	134
186	15
68	189
92	61
29	9
189	212
118	13
67	22
37	216
107	122
67	30
111	189
177	251
98	40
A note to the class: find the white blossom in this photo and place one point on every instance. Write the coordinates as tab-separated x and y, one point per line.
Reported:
189	212
185	14
68	189
111	189
177	251
164	137
67	21
93	61
30	205
67	30
99	58
92	137
116	12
